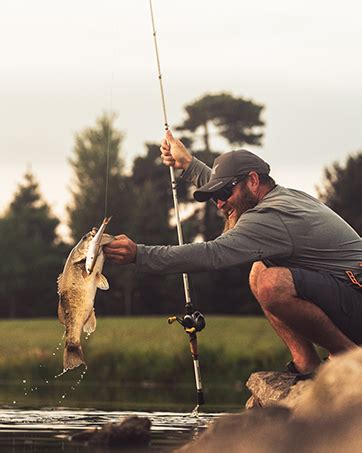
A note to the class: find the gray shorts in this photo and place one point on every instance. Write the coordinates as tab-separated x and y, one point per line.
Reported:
338	299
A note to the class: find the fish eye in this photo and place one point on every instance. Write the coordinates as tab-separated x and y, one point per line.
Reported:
84	237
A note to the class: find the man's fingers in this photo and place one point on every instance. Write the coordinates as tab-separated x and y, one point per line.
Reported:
169	136
121	236
165	144
115	258
168	160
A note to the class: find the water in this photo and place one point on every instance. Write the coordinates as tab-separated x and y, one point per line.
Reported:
35	418
49	429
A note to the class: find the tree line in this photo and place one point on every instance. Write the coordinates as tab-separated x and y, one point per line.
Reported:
140	203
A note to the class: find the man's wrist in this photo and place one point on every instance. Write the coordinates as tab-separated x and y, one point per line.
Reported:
186	162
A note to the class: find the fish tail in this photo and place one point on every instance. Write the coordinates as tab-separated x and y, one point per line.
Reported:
73	356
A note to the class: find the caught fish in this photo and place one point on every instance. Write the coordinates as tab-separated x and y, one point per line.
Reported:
94	247
77	290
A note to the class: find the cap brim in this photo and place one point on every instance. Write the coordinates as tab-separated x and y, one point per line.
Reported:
204	193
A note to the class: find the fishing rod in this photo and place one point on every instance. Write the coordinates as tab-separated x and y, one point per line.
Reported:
193	321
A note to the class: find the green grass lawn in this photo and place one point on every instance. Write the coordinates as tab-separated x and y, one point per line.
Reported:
144	349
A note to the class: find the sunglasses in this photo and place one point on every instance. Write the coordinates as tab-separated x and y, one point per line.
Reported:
226	192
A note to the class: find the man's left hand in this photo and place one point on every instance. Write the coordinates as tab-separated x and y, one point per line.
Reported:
121	251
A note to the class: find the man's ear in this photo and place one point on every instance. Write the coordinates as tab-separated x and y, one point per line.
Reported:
253	180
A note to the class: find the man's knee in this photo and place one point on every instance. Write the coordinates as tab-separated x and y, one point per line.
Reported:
274	286
255	271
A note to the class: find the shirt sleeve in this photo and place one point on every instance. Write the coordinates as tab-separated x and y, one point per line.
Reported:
197	173
256	236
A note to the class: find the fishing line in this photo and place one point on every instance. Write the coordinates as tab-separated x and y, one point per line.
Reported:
189	321
107	154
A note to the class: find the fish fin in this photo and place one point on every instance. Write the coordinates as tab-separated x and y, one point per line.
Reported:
91	323
61	315
102	282
73	356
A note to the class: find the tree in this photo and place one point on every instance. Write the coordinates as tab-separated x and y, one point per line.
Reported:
96	154
342	188
31	258
152	198
236	119
101	187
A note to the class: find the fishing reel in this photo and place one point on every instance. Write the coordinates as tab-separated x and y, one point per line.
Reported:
192	321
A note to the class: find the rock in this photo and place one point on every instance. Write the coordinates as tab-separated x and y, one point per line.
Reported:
275	429
268	387
319	415
337	385
232	433
131	432
252	403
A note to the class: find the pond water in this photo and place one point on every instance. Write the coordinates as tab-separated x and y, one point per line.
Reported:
49	429
35	418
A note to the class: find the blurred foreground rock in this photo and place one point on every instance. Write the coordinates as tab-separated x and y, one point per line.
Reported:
322	415
130	432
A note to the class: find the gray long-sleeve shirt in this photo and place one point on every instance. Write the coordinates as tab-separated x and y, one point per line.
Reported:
288	227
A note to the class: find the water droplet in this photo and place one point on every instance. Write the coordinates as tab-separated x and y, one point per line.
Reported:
14	402
63	396
40	365
24	381
47	382
25	394
53	353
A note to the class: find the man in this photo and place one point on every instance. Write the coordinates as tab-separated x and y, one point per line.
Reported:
307	271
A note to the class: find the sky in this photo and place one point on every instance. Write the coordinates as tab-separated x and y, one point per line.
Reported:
62	64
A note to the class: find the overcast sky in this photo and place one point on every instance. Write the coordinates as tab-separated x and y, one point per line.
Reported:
64	63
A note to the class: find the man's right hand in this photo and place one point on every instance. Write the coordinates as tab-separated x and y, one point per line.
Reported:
173	152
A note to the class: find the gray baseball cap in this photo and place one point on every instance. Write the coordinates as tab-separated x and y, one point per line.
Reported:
228	166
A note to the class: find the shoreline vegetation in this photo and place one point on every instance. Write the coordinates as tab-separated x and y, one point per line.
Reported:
138	349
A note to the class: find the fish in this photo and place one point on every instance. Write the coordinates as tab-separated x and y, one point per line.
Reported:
77	290
94	246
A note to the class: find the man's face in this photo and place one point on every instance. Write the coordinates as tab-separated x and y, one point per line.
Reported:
240	201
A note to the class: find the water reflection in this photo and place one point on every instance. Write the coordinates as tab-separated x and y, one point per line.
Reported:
119	396
50	429
37	422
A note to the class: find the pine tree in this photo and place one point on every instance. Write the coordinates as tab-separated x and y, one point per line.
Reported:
97	153
31	256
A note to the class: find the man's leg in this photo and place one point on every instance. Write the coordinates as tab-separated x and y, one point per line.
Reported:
304	355
275	291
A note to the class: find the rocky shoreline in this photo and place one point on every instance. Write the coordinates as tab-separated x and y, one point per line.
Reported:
321	415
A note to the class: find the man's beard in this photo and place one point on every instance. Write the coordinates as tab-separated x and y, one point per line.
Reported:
248	201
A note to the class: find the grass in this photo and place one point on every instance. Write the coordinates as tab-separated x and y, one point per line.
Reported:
144	349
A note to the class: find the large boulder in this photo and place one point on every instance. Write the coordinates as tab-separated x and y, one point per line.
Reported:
319	415
336	387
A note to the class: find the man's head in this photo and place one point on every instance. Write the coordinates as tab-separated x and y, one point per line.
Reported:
239	180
